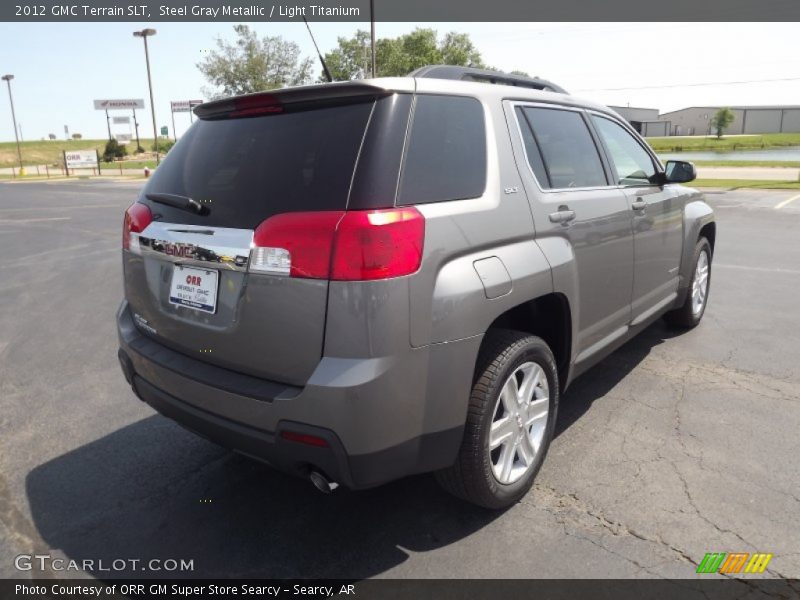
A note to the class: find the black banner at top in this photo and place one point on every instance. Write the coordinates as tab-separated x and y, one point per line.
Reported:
400	10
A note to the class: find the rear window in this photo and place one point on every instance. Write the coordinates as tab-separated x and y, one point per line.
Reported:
246	170
446	156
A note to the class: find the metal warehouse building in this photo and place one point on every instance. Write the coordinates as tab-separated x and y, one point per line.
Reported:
644	120
696	120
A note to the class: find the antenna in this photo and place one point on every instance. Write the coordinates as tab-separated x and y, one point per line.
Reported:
322	60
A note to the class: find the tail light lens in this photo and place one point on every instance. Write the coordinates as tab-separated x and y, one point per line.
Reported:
137	218
296	244
344	246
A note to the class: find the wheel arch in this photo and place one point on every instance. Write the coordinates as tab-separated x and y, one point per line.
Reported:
548	317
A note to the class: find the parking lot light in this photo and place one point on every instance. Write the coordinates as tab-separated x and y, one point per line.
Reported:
144	34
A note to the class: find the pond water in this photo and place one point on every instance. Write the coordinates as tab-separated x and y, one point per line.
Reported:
786	153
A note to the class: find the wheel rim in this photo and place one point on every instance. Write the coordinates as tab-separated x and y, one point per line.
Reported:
519	422
700	284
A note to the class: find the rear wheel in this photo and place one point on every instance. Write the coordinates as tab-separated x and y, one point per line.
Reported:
512	412
689	315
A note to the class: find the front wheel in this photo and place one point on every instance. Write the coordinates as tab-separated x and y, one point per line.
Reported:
510	421
689	315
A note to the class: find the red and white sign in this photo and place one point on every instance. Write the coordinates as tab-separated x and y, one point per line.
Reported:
81	159
119	104
184	105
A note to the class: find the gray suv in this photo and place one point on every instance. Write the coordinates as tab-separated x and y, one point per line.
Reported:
359	281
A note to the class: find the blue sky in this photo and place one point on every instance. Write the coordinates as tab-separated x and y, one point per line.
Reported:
60	68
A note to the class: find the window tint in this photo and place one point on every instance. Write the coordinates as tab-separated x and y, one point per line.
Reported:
248	169
632	164
446	155
568	152
532	150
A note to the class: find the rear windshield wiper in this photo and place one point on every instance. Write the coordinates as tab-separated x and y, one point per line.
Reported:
178	201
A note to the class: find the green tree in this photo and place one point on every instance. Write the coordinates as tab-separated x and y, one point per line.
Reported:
351	58
722	120
252	64
398	56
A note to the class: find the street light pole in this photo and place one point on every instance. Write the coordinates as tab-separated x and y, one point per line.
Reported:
144	34
7	79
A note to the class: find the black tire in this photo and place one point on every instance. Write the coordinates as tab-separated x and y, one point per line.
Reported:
685	317
471	477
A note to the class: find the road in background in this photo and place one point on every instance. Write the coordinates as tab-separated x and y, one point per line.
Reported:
674	446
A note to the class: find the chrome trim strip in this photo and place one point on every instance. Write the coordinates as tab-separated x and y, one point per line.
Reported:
203	246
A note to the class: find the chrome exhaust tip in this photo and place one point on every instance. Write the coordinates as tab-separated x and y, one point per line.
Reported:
322	483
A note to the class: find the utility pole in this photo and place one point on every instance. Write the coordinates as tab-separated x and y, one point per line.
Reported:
7	79
144	34
136	126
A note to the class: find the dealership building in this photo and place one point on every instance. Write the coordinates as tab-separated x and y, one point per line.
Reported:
696	120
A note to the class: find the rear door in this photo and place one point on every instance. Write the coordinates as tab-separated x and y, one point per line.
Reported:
657	218
578	211
188	282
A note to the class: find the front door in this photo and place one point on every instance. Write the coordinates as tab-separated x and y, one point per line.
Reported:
657	218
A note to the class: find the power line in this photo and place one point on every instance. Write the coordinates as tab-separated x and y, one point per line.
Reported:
681	85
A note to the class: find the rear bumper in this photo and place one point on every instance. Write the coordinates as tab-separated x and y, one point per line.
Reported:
382	418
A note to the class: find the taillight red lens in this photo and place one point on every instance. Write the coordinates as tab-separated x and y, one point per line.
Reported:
296	244
137	218
345	246
378	244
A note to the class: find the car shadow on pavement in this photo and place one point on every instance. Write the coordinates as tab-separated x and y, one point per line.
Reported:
605	375
154	491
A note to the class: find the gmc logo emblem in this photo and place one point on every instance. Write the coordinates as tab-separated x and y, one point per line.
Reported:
179	250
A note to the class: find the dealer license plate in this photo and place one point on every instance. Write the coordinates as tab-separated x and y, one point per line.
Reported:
194	288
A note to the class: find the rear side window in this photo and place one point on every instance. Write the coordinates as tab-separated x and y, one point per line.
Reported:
561	146
248	169
446	152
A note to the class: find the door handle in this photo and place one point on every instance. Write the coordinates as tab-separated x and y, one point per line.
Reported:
638	204
563	215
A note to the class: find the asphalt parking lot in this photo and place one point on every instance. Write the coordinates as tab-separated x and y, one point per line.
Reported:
674	446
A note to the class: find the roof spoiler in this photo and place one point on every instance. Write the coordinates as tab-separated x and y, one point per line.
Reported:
274	100
485	76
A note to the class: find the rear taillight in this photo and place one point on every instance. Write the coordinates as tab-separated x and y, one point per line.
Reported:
137	218
344	246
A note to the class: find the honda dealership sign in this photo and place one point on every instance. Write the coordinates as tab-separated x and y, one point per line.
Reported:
118	104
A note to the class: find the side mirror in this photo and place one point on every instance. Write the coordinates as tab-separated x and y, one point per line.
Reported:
679	171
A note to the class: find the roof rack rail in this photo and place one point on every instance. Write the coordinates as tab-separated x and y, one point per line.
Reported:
485	76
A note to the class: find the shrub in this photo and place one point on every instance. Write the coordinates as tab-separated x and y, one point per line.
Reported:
113	150
164	146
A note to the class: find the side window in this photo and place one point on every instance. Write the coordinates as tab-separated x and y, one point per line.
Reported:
565	147
446	155
532	150
631	163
